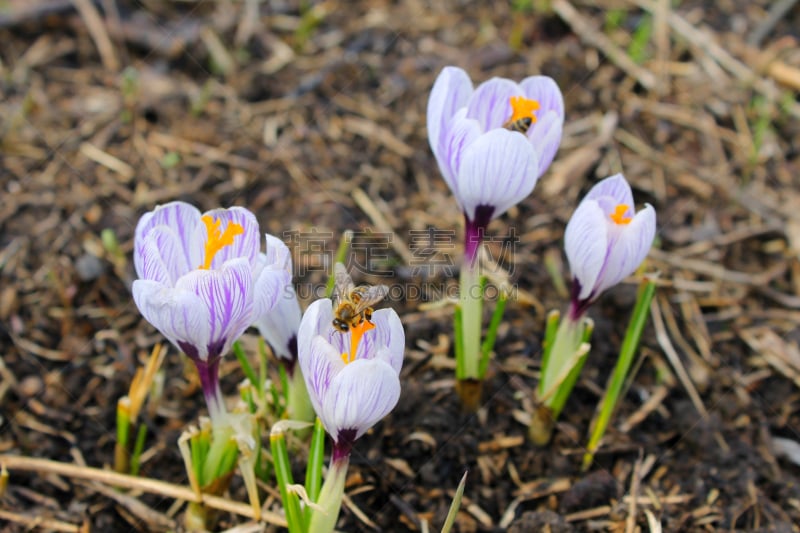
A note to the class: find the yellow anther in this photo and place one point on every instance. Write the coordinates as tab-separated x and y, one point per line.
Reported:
522	107
618	216
217	239
356	332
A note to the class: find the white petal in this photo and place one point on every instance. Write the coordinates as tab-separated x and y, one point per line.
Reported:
179	217
269	287
282	323
316	321
629	248
499	169
490	104
544	90
360	395
450	93
180	315
545	136
320	363
461	133
278	255
386	341
615	187
586	244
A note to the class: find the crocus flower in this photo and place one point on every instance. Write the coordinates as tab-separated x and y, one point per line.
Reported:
488	166
606	240
202	282
280	324
352	377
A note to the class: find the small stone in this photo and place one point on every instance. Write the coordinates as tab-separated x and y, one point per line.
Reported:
89	267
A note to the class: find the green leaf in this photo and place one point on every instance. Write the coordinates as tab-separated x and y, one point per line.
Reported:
316	455
138	447
627	352
283	475
491	334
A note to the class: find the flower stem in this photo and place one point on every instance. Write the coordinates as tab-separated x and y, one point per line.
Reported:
209	380
330	498
471	310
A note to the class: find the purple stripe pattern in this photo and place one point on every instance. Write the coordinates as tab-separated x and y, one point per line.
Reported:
202	311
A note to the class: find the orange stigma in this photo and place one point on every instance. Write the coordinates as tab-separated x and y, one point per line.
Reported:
618	215
356	332
217	239
522	107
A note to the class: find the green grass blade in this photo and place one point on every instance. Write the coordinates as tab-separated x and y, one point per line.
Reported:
316	456
283	376
491	334
138	447
454	507
283	474
626	354
247	368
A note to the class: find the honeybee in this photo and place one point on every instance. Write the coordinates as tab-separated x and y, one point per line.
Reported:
353	304
521	125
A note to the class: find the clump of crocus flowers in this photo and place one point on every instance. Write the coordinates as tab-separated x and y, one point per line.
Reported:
204	279
492	144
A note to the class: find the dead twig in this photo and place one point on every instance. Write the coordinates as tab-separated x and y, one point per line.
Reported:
46	466
97	29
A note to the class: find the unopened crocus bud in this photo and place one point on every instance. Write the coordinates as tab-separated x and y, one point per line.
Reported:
606	240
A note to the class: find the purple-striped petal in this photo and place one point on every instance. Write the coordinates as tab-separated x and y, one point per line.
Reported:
359	396
268	288
626	253
615	187
320	363
277	255
282	323
462	133
386	339
499	169
227	294
149	261
171	250
586	245
450	93
490	104
544	90
181	218
545	137
316	321
180	315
